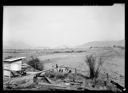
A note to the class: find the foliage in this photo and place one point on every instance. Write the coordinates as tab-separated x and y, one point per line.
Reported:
117	46
56	75
35	63
94	69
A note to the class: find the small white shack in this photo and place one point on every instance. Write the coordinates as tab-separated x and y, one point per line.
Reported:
12	64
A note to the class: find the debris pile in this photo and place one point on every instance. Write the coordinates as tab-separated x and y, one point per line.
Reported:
57	78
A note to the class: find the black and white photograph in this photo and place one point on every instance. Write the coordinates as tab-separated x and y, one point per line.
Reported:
68	48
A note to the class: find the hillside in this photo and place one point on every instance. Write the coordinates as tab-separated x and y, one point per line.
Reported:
102	44
23	45
15	45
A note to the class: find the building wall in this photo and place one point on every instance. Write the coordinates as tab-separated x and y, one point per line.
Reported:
7	73
16	66
6	66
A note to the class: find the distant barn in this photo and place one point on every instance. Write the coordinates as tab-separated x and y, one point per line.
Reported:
12	64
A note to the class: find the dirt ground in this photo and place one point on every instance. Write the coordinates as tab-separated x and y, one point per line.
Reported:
113	58
114	61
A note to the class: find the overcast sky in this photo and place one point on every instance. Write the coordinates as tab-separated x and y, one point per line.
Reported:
54	26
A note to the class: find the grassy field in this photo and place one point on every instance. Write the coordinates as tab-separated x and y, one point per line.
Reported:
113	58
114	61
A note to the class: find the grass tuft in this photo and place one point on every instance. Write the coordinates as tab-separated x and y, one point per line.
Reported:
35	63
94	69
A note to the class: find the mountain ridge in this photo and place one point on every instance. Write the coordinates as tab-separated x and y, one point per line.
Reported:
23	45
102	44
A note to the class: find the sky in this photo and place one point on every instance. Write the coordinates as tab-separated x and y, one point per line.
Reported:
53	26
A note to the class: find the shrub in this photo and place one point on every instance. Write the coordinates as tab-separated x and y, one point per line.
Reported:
91	62
117	46
114	45
56	75
35	63
60	76
121	47
100	63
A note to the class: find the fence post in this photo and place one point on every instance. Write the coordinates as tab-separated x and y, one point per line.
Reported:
75	75
107	77
75	72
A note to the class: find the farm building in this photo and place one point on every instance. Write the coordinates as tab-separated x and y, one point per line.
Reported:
12	64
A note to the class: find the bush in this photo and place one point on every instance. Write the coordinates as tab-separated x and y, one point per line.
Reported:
117	46
35	63
121	47
91	62
56	75
60	76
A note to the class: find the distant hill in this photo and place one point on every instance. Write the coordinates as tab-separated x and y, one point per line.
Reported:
20	45
61	47
23	45
41	47
102	44
15	45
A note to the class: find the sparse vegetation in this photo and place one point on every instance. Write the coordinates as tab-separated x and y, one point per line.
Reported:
35	63
90	47
117	46
91	62
56	75
8	57
97	80
121	47
100	63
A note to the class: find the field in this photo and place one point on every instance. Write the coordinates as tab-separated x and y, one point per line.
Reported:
114	61
113	58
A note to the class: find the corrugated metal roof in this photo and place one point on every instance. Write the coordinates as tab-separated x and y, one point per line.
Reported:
13	59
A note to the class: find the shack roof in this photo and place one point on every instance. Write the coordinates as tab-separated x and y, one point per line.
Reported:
13	59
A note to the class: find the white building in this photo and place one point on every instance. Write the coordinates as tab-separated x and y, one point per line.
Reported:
12	64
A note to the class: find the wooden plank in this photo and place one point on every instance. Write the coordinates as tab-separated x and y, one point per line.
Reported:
56	86
118	85
44	71
52	85
50	81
